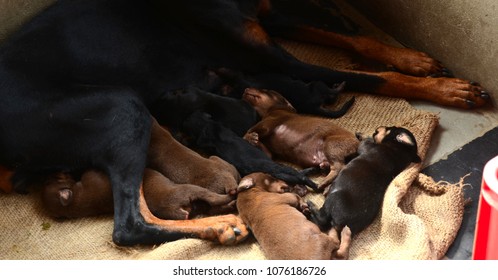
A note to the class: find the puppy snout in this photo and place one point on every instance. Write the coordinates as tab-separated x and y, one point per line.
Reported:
379	134
251	91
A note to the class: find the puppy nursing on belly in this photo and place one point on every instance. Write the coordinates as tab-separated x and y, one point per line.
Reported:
356	195
275	218
64	197
307	141
178	184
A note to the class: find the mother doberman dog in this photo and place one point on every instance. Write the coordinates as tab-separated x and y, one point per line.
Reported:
79	83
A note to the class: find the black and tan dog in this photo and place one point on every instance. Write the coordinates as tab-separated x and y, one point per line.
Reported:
79	82
356	195
275	218
307	141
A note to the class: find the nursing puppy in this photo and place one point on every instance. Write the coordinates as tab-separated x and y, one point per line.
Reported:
356	195
276	220
307	141
64	197
182	165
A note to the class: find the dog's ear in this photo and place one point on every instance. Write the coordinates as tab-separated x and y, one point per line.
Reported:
65	197
245	184
403	137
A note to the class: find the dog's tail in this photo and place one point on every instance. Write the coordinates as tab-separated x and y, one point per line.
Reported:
339	113
323	96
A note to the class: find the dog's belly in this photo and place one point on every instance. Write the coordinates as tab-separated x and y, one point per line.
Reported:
303	149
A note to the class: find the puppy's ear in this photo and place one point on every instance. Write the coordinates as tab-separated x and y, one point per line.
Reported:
405	138
65	197
245	184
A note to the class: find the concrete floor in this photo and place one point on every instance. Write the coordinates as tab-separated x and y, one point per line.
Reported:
456	128
384	17
457	148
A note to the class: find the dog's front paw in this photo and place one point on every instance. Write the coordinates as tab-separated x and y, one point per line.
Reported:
227	230
252	138
416	63
299	190
359	136
458	93
304	208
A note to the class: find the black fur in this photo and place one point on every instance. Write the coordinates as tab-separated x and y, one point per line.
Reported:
77	84
174	107
212	137
356	195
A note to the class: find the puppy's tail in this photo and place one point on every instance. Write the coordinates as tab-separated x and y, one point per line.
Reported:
339	113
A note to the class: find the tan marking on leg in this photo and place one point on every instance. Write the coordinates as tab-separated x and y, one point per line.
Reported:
5	179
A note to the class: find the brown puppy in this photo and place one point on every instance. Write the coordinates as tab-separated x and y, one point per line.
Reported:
194	185
280	227
184	166
307	141
64	197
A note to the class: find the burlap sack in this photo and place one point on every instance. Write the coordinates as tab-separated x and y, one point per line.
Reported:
415	221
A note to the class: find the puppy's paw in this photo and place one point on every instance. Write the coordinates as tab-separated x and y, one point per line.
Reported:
304	208
300	190
359	136
252	138
227	229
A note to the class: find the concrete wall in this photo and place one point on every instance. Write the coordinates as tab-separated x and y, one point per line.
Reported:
463	34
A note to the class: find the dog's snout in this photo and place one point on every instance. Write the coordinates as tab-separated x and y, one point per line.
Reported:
379	134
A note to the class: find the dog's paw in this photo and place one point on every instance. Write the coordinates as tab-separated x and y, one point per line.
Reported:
304	208
416	63
299	190
252	138
227	230
457	92
293	177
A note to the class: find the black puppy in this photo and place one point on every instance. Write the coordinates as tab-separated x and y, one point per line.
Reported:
212	137
356	195
236	114
175	106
